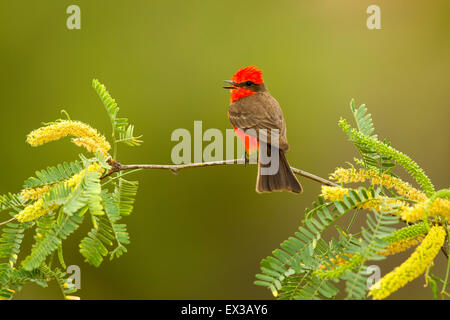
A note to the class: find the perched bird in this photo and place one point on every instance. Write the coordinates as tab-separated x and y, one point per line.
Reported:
252	107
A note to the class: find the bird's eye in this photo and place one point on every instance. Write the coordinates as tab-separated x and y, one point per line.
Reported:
248	83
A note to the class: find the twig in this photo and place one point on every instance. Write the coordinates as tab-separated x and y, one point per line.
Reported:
444	249
314	177
7	221
175	168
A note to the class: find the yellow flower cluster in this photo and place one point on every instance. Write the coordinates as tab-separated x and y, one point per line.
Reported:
33	211
437	207
401	245
37	208
34	194
65	128
442	207
410	214
334	193
403	188
90	145
338	193
413	267
76	179
339	261
342	265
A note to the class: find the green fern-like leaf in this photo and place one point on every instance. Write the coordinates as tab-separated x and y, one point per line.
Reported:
12	235
11	201
114	209
10	241
44	225
124	195
53	174
373	240
379	227
119	125
363	119
17	278
307	287
122	131
356	283
93	246
52	240
92	190
370	157
59	194
109	103
108	232
128	137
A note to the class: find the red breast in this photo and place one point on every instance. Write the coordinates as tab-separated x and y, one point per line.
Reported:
250	73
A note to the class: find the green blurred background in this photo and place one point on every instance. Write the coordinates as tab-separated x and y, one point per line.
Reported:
202	233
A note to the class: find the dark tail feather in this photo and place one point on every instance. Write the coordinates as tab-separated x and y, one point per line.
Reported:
284	179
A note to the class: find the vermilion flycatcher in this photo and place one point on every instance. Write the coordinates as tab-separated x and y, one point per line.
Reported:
252	107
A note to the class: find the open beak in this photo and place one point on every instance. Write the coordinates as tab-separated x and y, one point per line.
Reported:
233	84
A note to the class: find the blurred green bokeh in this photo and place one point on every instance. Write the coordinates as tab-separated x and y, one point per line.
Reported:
202	233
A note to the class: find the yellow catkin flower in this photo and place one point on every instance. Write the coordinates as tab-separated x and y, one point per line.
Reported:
401	245
442	207
418	212
338	193
413	267
76	179
334	193
338	262
33	211
341	260
403	188
95	167
341	265
90	145
65	128
34	194
72	298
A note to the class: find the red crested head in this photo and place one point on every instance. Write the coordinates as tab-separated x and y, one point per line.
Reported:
250	73
246	81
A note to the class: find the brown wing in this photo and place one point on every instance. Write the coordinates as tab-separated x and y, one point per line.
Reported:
259	111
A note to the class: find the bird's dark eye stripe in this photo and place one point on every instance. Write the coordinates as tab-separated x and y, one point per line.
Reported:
248	83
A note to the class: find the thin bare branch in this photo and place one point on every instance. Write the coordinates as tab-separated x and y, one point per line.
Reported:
175	168
7	221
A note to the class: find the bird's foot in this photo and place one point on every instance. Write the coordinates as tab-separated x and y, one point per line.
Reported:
245	160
